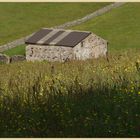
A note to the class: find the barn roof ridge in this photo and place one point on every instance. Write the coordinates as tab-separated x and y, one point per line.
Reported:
68	30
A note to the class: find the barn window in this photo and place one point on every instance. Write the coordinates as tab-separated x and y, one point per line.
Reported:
82	44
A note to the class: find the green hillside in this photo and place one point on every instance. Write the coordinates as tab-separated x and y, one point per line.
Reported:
121	26
19	50
20	19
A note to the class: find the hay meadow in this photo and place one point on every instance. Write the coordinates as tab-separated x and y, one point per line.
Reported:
92	98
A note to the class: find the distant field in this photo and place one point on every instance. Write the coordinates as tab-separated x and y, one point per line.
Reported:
121	26
20	19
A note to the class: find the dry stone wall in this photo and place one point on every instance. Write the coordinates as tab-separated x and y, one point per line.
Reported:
17	58
13	44
66	25
91	16
4	58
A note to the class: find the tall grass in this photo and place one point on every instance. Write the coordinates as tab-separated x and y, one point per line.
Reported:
93	98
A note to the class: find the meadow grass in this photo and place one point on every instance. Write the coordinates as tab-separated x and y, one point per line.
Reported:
20	19
92	98
120	27
19	50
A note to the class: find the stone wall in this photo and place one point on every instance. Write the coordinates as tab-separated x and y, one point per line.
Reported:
4	59
50	53
17	58
91	47
66	25
91	16
13	44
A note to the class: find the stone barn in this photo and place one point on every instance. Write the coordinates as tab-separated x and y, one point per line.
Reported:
63	45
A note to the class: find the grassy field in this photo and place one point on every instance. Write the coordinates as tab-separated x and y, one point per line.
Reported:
19	50
121	26
93	98
21	19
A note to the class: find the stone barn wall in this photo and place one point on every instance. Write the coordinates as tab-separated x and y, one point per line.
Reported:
91	47
50	53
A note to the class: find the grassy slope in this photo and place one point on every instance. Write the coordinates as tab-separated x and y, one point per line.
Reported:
99	100
20	19
121	26
19	50
77	99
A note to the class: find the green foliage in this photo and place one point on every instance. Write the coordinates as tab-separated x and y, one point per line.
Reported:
93	98
20	19
19	50
120	26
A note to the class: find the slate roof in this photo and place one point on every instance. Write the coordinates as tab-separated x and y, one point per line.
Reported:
57	37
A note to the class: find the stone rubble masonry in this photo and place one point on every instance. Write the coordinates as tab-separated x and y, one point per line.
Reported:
50	53
66	25
91	47
17	58
5	59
